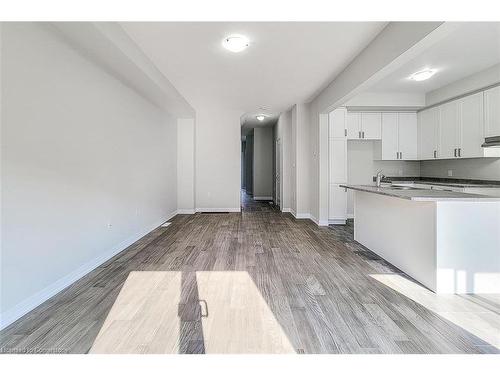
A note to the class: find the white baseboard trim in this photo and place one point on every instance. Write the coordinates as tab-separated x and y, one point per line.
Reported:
22	308
350	216
231	209
303	216
287	210
186	211
336	221
262	198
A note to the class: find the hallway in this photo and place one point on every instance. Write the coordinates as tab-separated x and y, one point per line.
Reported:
248	204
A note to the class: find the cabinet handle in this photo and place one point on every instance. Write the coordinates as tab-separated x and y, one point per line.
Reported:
401	154
345	132
359	134
455	152
435	154
363	135
459	152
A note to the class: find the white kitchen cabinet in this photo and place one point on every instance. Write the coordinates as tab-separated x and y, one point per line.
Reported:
371	125
338	204
449	129
407	136
337	123
399	137
338	157
364	125
390	137
471	135
428	131
492	112
337	150
353	125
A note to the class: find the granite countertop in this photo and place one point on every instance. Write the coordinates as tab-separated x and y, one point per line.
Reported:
453	182
424	195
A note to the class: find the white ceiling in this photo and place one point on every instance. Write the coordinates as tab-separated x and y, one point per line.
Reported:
286	63
470	48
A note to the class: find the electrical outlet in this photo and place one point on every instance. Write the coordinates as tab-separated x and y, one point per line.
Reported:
450	172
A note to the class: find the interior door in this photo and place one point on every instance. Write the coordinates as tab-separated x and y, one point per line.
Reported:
428	123
449	130
371	125
353	125
471	126
407	133
389	136
278	173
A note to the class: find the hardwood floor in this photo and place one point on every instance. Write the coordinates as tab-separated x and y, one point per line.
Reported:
254	282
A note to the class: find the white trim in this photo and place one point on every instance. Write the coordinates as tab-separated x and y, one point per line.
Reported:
25	306
303	216
186	211
263	198
337	221
350	216
287	210
231	209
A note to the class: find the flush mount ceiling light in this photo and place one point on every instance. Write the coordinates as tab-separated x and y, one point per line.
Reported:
423	75
235	43
260	117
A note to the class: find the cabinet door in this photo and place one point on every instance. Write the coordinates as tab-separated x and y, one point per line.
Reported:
471	126
428	124
492	112
337	204
390	136
449	130
407	132
337	123
338	160
371	125
353	125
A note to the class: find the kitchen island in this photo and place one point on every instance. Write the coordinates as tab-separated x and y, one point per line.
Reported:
448	241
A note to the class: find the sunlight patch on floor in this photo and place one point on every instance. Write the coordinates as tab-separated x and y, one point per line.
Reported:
477	314
155	313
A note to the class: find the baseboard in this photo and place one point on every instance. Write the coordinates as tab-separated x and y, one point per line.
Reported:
286	210
262	198
22	308
350	216
186	211
337	221
231	209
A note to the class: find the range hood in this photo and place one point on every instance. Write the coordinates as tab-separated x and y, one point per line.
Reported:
491	142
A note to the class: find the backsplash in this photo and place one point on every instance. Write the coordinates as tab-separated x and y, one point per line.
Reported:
480	169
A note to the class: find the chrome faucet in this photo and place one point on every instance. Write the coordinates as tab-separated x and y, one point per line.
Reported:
380	176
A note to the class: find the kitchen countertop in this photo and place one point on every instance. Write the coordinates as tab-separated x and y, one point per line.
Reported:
423	194
460	183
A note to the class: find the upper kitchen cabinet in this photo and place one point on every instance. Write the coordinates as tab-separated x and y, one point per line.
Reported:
492	112
428	133
449	129
471	134
399	137
364	125
337	123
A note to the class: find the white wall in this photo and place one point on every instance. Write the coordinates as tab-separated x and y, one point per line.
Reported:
263	163
473	82
218	149
387	99
185	166
80	151
361	167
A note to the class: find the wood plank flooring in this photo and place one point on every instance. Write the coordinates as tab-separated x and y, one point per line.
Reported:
259	281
